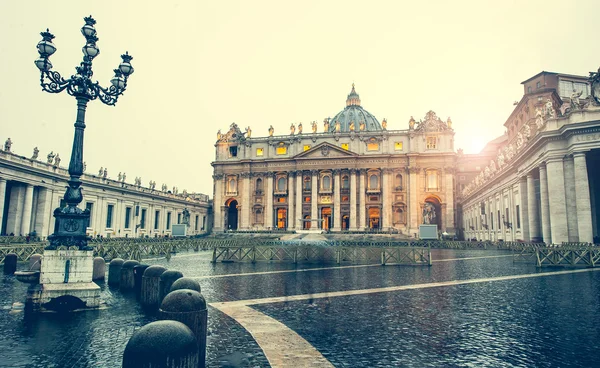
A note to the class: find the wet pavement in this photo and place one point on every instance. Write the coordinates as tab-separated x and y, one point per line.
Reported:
549	321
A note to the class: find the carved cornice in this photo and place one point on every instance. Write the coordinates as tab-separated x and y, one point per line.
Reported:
269	174
245	175
218	176
314	172
336	171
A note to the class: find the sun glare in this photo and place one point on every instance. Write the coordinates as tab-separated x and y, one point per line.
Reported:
476	145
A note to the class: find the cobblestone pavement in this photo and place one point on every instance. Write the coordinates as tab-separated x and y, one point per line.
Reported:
512	323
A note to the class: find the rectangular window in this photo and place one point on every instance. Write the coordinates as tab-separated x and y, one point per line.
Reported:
109	214
432	182
156	219
431	142
499	224
306	199
196	223
398	146
143	219
233	151
127	217
306	147
372	146
203	222
260	152
345	146
168	220
566	88
538	85
281	150
492	220
518	218
179	218
90	207
344	198
281	200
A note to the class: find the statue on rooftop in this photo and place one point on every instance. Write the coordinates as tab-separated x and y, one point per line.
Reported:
99	171
7	145
105	173
292	129
299	128
338	126
575	103
411	123
314	126
271	131
248	132
50	157
449	123
219	135
119	177
539	119
124	176
36	152
362	126
326	125
384	124
186	216
550	108
352	126
57	160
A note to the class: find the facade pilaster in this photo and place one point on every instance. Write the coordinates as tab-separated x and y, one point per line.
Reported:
291	215
532	211
246	194
27	208
413	190
2	200
314	215
297	219
545	206
386	196
362	213
217	203
570	198
353	223
582	190
449	193
524	209
337	205
557	201
269	201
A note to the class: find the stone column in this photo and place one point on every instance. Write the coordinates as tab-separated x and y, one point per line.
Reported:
291	215
27	207
545	206
582	190
413	204
386	196
246	193
362	213
269	201
532	211
314	210
2	200
570	198
217	203
524	209
449	191
337	205
353	223
299	183
557	200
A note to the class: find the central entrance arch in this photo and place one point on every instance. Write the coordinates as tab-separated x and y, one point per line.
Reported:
374	216
231	221
326	217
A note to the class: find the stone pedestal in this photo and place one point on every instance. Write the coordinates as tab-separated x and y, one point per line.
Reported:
65	277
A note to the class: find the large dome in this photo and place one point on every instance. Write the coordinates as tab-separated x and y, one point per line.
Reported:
354	113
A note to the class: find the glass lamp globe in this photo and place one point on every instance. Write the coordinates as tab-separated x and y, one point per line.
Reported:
88	30
90	50
126	68
43	64
118	82
46	48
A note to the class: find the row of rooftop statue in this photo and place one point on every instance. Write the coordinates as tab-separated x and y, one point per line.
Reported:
326	127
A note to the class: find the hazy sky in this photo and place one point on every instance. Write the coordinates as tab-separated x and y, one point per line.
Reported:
201	65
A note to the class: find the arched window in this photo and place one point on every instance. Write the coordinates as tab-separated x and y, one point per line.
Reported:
306	183
398	181
281	185
327	182
373	181
232	185
259	184
345	183
399	215
258	216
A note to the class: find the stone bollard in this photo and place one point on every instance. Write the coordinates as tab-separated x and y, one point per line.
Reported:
168	344
138	273
99	271
186	283
189	307
150	295
127	280
10	263
166	281
114	271
35	262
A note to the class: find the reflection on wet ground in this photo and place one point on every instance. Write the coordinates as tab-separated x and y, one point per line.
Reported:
544	321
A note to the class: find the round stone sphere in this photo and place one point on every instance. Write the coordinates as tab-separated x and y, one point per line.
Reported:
186	283
130	264
158	343
183	300
116	262
154	271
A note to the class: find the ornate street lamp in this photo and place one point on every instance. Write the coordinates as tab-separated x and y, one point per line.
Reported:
71	221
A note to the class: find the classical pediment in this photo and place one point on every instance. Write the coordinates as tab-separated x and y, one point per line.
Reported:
325	150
